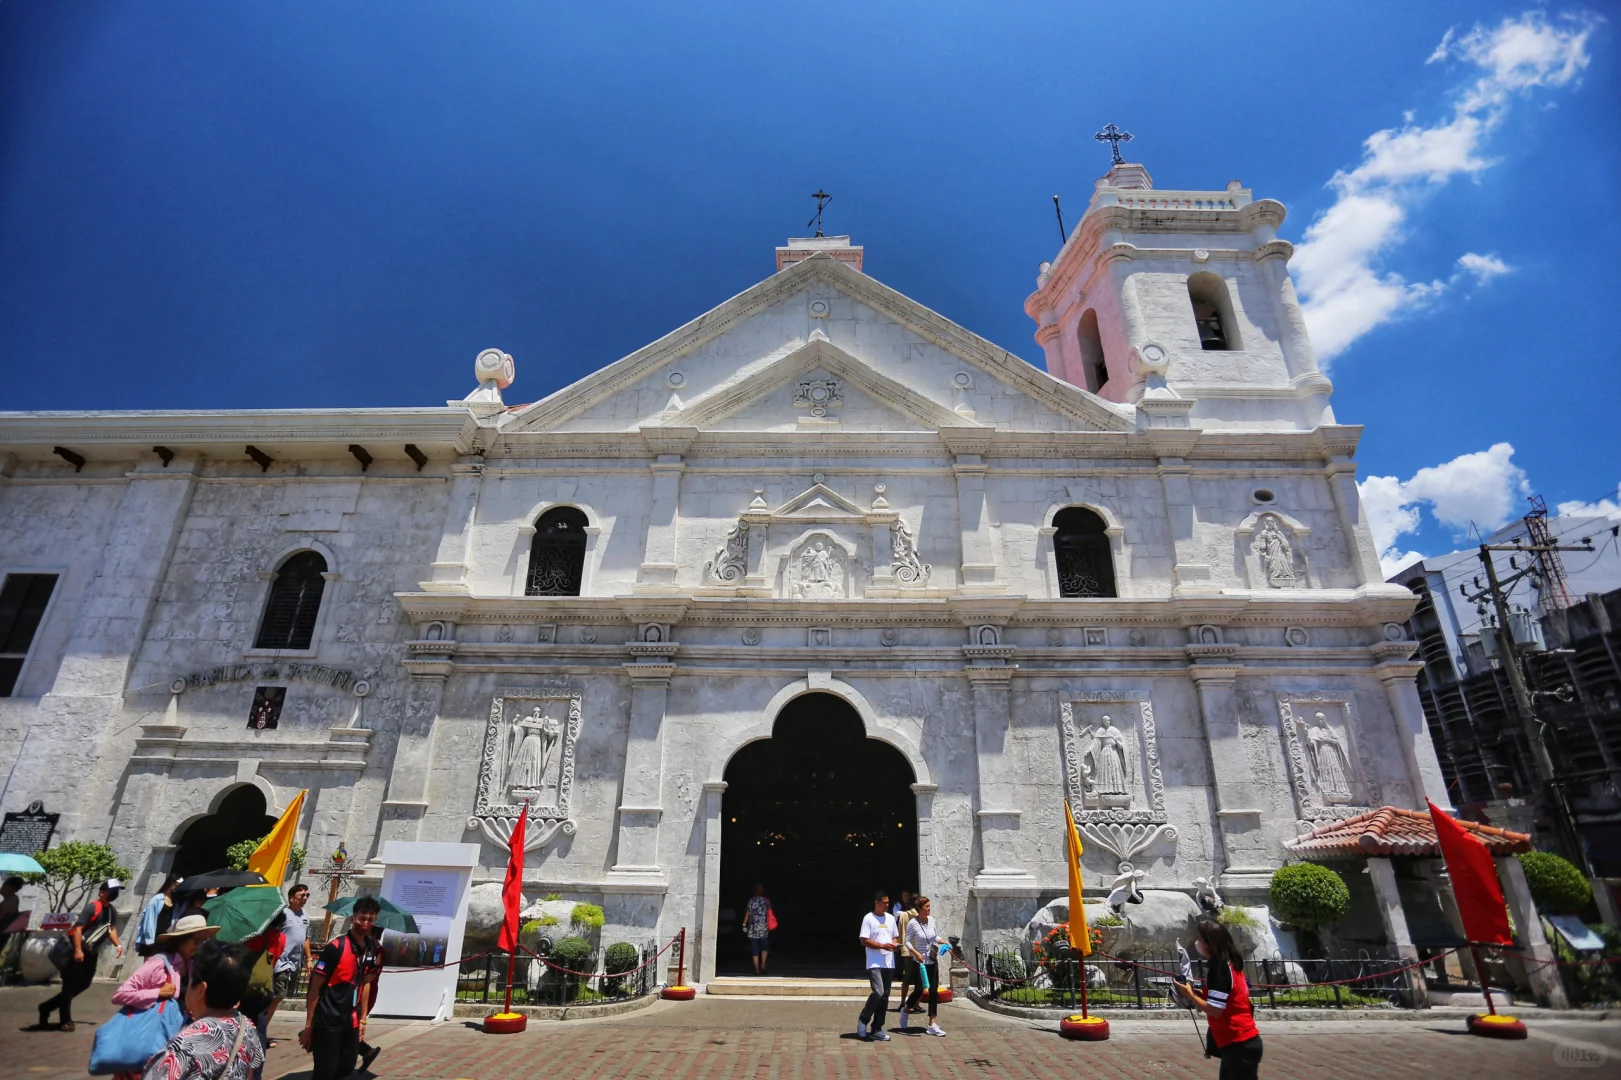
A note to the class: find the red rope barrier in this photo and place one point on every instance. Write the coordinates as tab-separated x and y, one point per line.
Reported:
1298	986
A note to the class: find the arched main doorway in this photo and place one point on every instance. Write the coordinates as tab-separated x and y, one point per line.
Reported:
241	816
822	816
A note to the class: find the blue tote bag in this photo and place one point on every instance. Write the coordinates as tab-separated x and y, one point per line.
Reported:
127	1041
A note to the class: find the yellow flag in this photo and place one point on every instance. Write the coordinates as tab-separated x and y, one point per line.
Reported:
270	857
1079	938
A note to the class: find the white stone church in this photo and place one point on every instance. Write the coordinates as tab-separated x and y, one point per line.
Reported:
819	590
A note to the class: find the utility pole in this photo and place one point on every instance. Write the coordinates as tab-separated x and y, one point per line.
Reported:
1541	760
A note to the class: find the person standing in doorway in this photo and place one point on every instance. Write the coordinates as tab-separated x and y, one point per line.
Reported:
757	926
146	933
923	951
339	998
96	926
295	953
879	934
1226	1002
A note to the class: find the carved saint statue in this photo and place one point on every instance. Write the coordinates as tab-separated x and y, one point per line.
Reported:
1277	559
1107	766
1328	757
819	573
537	738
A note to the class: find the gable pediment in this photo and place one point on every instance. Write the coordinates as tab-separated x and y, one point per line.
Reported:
819	504
894	349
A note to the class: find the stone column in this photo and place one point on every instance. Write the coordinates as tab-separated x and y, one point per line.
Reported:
1413	733
642	786
974	515
1539	968
659	559
1241	804
1004	859
703	935
84	705
1394	918
449	570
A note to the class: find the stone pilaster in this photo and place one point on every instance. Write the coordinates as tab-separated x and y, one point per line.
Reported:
708	922
449	570
1360	548
642	786
1191	571
1394	918
1412	733
82	710
406	801
1004	860
659	566
979	568
1544	976
1241	802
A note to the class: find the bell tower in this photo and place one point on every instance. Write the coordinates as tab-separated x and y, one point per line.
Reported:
1180	302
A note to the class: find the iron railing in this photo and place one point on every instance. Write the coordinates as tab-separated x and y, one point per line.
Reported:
1144	982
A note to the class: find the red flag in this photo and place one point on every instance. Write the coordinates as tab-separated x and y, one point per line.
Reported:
512	888
1474	881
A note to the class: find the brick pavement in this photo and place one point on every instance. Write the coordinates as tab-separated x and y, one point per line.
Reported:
767	1039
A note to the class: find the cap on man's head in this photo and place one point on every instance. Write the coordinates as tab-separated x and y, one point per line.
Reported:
112	884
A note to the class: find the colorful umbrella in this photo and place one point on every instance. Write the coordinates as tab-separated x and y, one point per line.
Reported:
18	864
245	912
392	917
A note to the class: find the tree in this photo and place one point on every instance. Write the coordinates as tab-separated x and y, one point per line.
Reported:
237	855
73	872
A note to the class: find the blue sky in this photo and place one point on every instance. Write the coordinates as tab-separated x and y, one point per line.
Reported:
317	204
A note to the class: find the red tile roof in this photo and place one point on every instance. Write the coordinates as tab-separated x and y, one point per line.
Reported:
1391	830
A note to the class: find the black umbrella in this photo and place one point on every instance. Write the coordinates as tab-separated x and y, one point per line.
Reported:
221	879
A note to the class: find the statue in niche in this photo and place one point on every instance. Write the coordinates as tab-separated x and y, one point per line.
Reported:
1329	759
821	574
536	738
1106	765
1272	548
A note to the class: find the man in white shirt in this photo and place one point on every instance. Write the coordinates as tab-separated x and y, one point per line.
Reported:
881	937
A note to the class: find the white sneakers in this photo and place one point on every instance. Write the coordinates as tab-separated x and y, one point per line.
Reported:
934	1029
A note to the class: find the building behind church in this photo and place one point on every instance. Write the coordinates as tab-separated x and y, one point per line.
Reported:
820	590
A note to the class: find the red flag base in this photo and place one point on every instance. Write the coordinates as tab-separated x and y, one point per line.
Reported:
1496	1027
945	994
1084	1028
505	1023
678	993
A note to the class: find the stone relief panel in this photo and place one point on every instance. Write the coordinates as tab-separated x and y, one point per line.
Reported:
1112	771
819	567
905	565
1272	551
528	756
1330	774
731	561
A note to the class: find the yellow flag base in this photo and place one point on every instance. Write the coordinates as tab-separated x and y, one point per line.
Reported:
678	993
1084	1028
1496	1026
505	1023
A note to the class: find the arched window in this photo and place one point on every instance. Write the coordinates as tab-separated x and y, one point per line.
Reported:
1213	312
295	601
557	559
1085	557
1092	363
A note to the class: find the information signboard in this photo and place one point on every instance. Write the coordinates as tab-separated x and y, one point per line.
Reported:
432	882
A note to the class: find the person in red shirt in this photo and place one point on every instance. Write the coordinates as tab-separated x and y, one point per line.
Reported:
1226	1001
339	995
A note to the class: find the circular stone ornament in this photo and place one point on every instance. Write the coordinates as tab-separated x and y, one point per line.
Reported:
678	993
1084	1028
505	1023
1496	1026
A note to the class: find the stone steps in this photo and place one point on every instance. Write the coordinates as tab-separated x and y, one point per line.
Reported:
772	986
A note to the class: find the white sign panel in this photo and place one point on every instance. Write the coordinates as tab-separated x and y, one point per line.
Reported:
431	881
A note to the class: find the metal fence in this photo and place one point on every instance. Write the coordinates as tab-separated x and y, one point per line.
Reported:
1144	982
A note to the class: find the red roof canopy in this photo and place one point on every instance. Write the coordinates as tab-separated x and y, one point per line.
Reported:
1390	830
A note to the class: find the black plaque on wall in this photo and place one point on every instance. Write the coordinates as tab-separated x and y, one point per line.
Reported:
27	832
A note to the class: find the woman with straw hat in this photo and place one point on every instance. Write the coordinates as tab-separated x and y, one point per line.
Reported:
166	972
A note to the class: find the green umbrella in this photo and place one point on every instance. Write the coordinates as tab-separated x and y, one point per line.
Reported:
245	912
392	917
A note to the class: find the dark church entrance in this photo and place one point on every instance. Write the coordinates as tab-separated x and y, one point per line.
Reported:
821	815
241	816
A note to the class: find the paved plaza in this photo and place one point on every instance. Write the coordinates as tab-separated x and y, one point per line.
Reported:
773	1039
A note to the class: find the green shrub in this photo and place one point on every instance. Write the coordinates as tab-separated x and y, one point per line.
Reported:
529	927
620	958
237	855
1309	896
546	920
587	915
1111	919
552	896
1556	885
73	871
1232	917
573	953
1006	965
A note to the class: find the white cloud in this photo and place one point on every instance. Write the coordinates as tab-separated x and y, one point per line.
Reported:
1346	291
1610	508
1484	267
1482	489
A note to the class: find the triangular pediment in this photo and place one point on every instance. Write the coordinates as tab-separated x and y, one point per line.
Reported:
818	503
895	350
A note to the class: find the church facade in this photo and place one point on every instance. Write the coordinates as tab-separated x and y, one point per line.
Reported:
950	590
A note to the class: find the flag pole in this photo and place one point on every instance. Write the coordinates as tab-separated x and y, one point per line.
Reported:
506	1022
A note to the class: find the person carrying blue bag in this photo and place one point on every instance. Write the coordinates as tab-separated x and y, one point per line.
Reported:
152	1011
